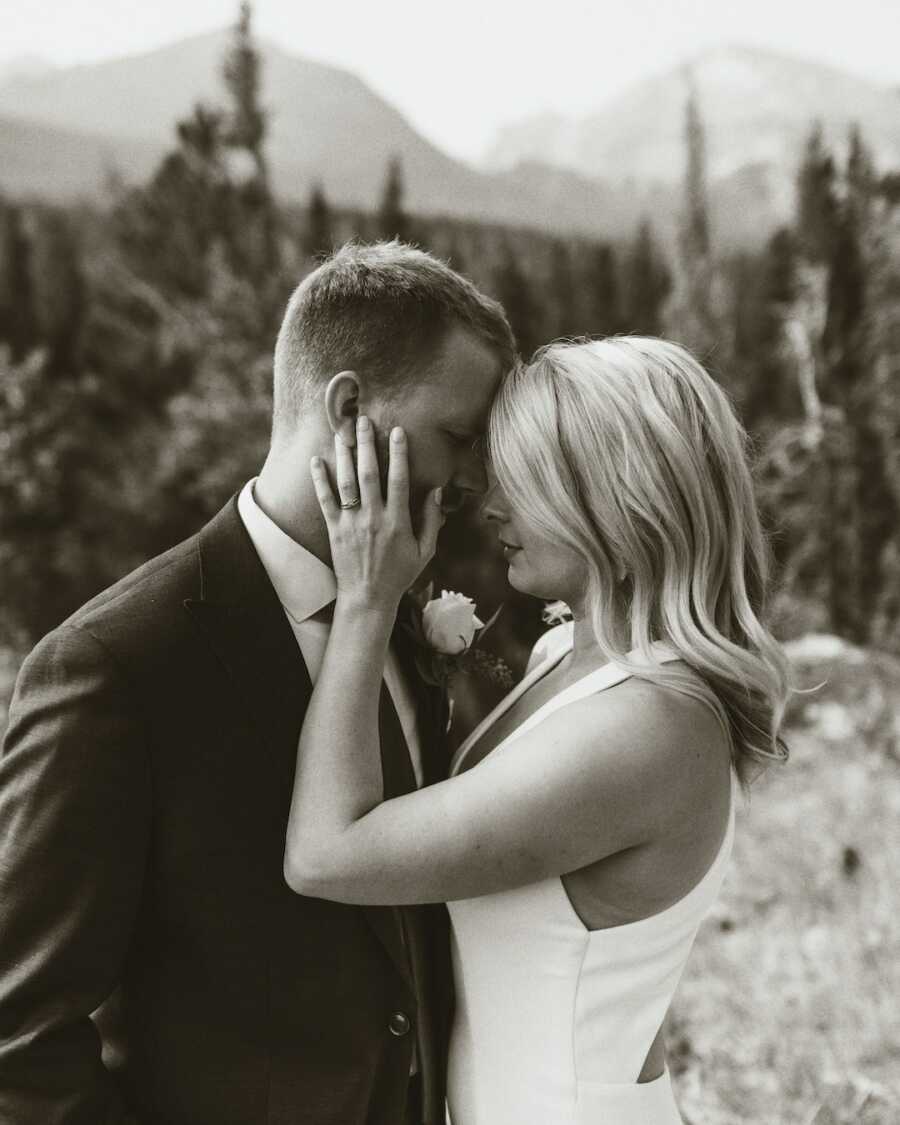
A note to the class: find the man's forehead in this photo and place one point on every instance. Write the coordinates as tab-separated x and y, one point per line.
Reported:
463	379
466	352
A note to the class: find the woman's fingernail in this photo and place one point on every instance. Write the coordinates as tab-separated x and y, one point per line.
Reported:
438	496
362	423
397	435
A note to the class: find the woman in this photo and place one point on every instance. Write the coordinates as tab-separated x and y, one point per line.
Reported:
587	822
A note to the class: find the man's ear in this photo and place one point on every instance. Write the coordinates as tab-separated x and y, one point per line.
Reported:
342	405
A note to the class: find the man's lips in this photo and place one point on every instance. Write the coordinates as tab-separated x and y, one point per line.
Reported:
508	548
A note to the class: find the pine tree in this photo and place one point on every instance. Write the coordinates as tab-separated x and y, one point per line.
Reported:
603	297
252	240
318	238
513	290
691	312
64	531
566	315
882	511
241	71
393	222
166	228
648	284
844	326
861	177
696	244
854	355
777	341
17	326
201	140
58	289
853	457
742	375
817	206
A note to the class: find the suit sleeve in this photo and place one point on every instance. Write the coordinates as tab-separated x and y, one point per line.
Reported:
74	828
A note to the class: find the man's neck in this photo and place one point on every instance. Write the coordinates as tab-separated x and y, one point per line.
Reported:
288	499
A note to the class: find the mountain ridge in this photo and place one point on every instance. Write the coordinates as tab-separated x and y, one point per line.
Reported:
63	130
758	106
325	125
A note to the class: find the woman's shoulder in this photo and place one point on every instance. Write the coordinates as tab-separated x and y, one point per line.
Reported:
650	739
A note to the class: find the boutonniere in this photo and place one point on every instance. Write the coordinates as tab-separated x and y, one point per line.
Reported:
555	613
447	633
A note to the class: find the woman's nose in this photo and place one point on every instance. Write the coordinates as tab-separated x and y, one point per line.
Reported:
493	506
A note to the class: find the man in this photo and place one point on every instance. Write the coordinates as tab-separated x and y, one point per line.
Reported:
146	775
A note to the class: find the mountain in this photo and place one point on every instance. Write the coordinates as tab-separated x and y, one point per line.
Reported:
62	130
24	66
757	106
325	124
60	165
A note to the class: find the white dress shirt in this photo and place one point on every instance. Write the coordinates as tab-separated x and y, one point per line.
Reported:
304	585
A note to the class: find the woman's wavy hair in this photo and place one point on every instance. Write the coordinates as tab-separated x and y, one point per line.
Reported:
628	452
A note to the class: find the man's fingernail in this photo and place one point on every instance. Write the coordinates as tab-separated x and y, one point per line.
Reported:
362	423
397	435
438	496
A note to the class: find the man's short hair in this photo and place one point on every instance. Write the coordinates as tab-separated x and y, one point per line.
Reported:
382	310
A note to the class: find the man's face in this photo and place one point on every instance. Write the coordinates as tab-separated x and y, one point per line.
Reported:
444	413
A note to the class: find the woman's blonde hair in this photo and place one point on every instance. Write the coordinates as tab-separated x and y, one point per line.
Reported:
628	452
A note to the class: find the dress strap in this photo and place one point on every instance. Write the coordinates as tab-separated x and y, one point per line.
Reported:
607	675
536	673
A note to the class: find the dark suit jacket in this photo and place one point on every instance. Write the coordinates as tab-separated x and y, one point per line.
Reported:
145	783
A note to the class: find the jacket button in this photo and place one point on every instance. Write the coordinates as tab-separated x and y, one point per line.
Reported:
399	1023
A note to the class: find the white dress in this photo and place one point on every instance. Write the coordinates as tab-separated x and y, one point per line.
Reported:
554	1021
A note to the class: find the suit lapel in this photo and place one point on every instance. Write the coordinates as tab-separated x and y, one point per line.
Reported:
431	702
398	778
244	622
247	628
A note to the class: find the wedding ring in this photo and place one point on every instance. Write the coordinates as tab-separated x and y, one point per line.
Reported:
354	503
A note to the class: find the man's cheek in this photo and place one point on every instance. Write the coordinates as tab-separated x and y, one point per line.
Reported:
421	471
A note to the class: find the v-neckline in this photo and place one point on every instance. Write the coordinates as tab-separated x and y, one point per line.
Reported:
538	673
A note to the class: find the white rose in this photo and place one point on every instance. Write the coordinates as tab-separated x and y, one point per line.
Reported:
554	613
450	623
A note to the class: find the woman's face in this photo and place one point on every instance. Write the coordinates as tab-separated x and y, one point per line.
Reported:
538	565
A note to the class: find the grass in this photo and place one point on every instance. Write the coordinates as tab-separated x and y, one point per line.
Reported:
788	1012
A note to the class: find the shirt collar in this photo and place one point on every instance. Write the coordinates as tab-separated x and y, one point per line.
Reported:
303	583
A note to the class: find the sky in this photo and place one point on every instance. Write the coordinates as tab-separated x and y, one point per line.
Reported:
460	69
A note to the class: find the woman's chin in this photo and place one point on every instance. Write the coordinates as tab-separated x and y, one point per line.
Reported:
517	576
514	577
520	580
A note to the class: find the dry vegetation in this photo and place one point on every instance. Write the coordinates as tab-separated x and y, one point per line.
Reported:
788	1012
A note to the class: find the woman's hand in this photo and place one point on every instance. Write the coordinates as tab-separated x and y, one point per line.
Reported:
375	554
